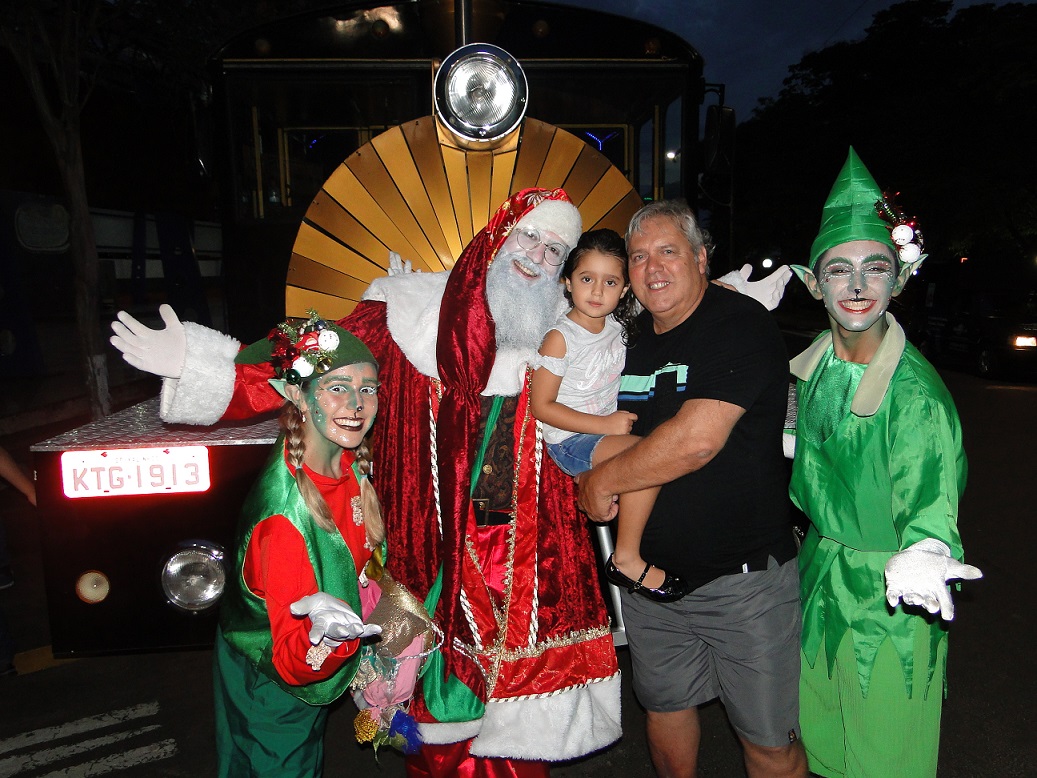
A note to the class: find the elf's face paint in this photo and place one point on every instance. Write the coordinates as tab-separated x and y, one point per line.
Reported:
856	281
342	403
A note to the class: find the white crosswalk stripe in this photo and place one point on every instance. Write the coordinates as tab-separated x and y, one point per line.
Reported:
34	756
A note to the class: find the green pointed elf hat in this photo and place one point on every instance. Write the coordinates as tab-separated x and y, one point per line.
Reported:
850	213
300	350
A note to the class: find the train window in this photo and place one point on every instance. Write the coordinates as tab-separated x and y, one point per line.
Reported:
311	154
611	140
635	112
672	150
646	160
291	127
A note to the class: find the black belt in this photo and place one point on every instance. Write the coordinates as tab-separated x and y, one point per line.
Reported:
486	517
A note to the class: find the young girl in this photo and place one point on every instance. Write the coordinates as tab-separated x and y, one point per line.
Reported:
289	631
575	389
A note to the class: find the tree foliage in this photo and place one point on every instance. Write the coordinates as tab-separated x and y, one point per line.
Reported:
64	49
940	107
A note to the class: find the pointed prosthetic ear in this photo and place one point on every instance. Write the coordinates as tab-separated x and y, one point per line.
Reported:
280	385
806	275
906	271
292	393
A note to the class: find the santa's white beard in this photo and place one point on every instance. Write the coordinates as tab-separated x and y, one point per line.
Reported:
523	309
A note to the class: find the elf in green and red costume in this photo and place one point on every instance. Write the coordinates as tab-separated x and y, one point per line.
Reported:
879	470
290	624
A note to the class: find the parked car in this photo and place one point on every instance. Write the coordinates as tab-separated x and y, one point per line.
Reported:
993	333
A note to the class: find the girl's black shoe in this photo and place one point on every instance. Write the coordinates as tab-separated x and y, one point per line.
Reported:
673	587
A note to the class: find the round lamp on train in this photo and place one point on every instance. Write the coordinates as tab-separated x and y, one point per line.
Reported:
480	92
194	577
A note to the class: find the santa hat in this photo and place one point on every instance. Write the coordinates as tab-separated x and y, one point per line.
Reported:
557	216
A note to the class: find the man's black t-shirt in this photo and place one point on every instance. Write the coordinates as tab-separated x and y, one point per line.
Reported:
736	508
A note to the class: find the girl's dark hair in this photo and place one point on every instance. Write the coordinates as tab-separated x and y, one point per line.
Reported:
607	242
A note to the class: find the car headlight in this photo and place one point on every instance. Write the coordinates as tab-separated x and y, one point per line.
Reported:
194	577
1025	341
480	92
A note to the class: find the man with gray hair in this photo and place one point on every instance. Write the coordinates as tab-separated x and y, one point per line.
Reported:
708	380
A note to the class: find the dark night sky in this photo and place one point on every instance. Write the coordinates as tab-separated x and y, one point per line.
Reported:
750	44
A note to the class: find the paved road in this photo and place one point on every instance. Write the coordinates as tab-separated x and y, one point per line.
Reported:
150	715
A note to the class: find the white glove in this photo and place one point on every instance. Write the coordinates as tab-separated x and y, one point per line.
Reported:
918	575
788	445
332	620
398	266
768	291
161	352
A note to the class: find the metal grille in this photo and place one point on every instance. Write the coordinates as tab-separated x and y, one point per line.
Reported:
139	426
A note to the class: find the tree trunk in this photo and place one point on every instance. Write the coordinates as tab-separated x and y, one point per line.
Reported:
59	109
83	248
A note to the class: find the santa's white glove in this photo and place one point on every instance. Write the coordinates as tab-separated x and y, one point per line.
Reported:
918	575
332	620
767	291
398	266
161	352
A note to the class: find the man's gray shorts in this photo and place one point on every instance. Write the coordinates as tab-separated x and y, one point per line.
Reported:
736	638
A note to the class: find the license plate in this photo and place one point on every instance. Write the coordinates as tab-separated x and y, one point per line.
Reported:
126	471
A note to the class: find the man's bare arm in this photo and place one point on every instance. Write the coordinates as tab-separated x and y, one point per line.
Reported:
684	444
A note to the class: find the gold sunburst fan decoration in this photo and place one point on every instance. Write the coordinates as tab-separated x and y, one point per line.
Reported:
414	191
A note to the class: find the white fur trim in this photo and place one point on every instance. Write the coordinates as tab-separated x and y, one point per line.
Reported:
557	727
438	734
206	385
412	305
558	216
735	279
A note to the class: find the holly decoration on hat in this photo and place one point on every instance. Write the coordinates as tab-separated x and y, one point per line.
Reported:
903	230
300	350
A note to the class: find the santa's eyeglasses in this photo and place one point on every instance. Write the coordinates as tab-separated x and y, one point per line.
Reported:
554	253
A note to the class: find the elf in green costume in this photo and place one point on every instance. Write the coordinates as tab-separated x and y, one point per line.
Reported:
289	625
879	470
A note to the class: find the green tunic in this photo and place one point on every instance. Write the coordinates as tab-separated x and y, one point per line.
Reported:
879	466
243	618
265	726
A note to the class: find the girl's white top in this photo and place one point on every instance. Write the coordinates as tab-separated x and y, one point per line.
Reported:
590	370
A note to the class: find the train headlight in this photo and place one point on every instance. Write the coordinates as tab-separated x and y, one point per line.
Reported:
194	577
480	92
